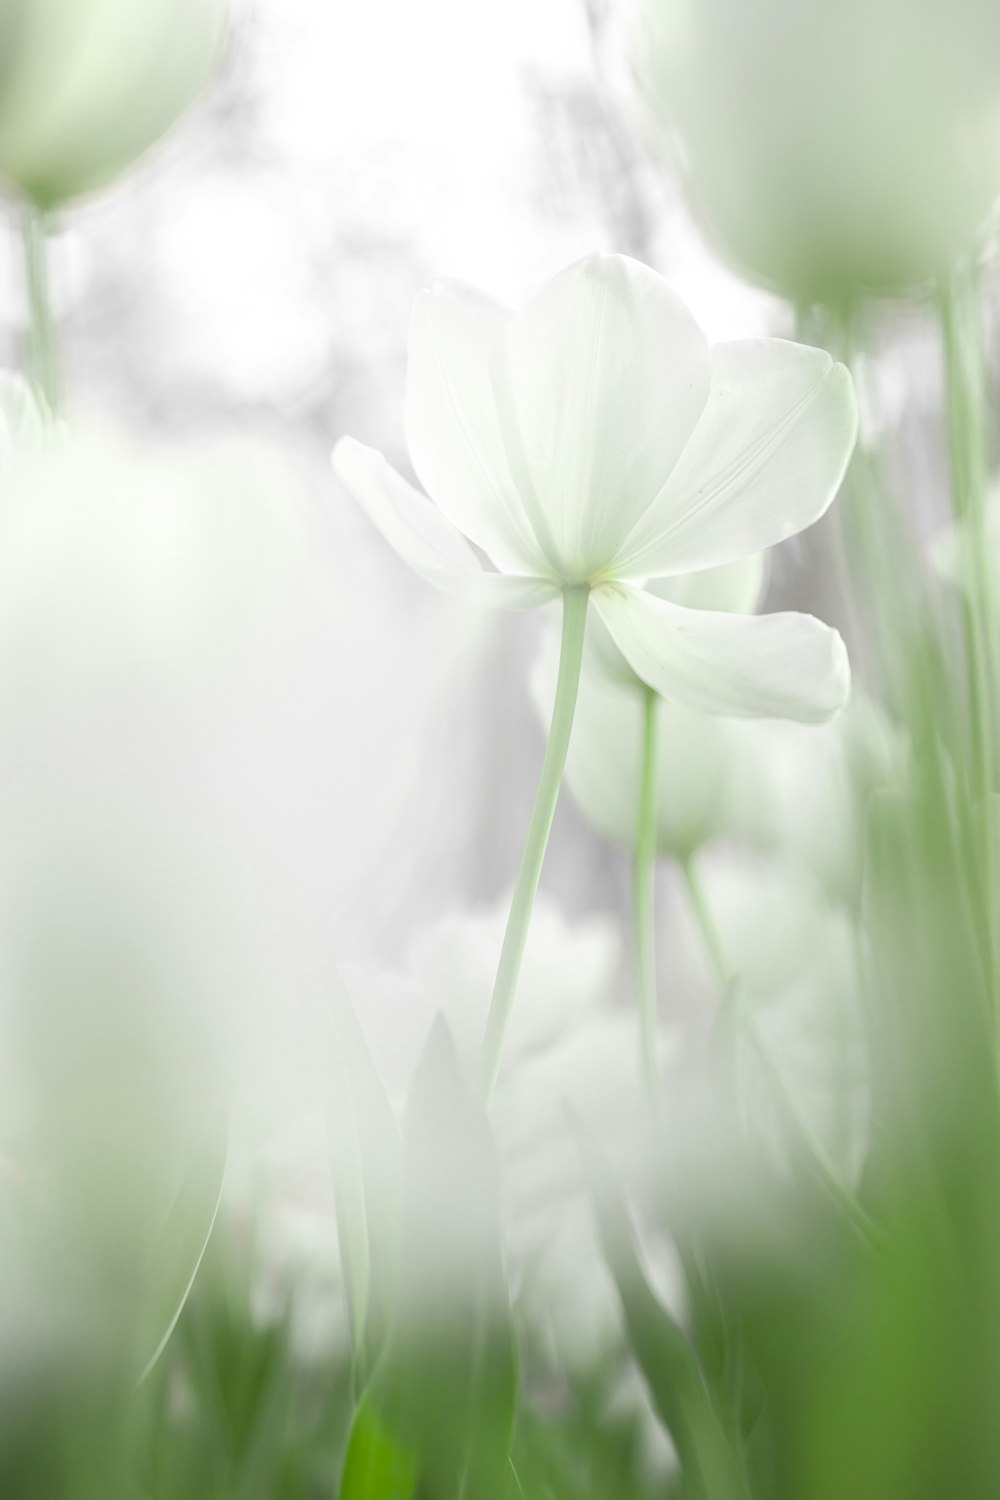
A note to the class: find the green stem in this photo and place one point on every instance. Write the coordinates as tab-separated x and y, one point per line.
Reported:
968	440
43	361
574	624
968	452
808	1142
643	891
706	925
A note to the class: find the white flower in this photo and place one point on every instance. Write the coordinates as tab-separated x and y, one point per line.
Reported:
594	439
89	85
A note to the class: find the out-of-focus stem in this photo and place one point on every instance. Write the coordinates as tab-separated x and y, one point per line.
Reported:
644	889
574	624
968	441
43	357
808	1142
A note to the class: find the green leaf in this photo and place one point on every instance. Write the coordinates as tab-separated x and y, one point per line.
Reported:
446	1387
377	1467
177	1253
366	1160
710	1460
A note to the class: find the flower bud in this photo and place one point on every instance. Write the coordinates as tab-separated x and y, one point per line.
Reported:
86	86
831	148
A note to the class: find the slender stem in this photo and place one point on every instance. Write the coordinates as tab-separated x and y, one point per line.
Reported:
809	1143
965	384
969	476
574	624
43	360
706	925
643	891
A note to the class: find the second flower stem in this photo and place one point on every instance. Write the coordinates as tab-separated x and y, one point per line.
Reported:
643	890
44	367
574	624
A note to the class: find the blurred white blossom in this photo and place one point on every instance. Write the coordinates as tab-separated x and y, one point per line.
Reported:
828	149
89	85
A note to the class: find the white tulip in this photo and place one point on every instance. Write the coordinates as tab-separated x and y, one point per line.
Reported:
89	85
593	441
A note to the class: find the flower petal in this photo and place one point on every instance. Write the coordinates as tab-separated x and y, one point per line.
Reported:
599	383
452	430
781	666
764	462
423	538
736	588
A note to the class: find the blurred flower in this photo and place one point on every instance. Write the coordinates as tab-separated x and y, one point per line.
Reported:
569	971
571	1050
89	85
953	550
833	148
595	439
806	791
798	995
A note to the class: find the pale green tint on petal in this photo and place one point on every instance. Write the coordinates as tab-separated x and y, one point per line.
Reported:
735	588
452	430
599	382
765	461
423	538
781	666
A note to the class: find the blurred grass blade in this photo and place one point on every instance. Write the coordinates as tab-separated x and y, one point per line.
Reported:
178	1251
710	1460
377	1467
446	1384
365	1154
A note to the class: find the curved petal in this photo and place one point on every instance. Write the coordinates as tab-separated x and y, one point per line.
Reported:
782	666
452	430
764	462
423	538
736	588
599	383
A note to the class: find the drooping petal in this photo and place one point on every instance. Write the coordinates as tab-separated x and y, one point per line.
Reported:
765	460
452	430
780	666
599	382
736	588
423	538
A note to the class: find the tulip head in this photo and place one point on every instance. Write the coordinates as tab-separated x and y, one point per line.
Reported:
87	86
830	149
